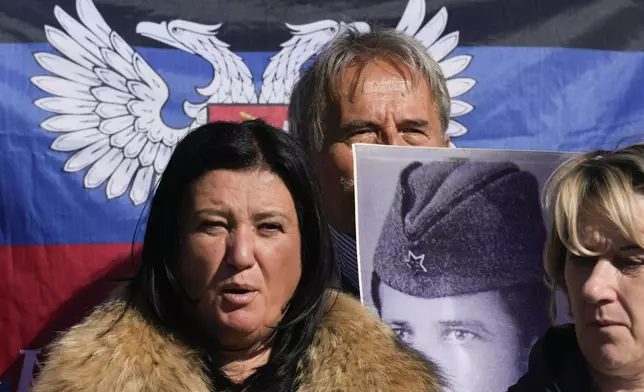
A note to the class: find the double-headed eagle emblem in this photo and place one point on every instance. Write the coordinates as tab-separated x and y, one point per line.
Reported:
106	100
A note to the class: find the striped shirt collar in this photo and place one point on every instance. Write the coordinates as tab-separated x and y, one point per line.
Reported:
346	255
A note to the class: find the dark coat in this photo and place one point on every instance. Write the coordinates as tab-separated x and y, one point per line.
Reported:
556	364
352	351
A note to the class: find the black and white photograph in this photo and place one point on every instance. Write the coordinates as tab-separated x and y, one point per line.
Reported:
450	249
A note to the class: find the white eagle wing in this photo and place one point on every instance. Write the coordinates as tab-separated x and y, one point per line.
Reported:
107	103
284	67
438	48
232	79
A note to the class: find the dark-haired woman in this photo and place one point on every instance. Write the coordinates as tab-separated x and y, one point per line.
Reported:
233	290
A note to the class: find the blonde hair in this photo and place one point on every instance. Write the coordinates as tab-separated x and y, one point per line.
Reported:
315	94
601	183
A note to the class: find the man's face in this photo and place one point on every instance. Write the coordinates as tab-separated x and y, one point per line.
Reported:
379	105
473	339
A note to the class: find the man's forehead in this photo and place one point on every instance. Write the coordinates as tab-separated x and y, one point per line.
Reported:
385	84
482	310
378	76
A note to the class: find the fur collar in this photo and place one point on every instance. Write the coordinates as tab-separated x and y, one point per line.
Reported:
352	351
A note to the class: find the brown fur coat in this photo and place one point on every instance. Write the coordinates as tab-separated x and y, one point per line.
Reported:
352	351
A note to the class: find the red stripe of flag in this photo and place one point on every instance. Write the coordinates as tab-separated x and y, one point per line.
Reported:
45	289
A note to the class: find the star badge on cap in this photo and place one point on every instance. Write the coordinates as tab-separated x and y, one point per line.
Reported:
415	263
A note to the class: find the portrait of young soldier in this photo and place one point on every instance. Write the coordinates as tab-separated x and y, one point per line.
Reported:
458	271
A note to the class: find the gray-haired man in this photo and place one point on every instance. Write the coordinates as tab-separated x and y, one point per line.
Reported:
379	87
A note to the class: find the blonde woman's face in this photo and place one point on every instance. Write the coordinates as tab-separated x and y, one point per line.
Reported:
606	296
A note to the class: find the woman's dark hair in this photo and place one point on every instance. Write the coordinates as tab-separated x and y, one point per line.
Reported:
240	146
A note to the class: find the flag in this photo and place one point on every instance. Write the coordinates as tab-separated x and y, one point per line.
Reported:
95	95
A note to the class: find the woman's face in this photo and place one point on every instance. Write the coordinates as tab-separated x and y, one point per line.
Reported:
240	253
607	297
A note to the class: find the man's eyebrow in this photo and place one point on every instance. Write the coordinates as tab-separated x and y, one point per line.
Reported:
357	124
414	122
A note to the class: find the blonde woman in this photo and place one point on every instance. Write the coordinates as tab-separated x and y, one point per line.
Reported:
595	255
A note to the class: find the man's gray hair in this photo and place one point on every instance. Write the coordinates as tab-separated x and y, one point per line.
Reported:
316	93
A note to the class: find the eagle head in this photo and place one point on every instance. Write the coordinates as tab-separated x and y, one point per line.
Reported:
182	34
323	31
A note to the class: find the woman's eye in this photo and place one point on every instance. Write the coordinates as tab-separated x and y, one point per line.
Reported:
212	225
628	263
270	226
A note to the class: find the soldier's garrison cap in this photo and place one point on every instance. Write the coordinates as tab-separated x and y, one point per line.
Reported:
461	227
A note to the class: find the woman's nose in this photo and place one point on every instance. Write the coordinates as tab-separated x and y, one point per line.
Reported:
240	248
600	284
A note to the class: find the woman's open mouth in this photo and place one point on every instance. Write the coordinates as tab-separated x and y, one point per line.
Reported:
238	295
